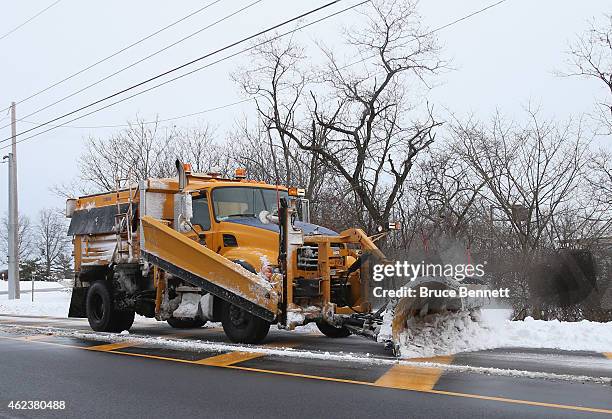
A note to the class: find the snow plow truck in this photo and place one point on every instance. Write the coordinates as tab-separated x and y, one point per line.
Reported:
199	247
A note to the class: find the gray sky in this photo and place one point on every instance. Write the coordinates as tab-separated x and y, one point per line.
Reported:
504	58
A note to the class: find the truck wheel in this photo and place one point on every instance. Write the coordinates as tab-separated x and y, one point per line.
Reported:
333	331
186	323
124	320
101	314
240	326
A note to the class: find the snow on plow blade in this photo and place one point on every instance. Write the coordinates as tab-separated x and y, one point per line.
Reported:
196	264
438	301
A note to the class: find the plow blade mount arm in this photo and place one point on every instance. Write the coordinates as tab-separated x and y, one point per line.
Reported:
196	264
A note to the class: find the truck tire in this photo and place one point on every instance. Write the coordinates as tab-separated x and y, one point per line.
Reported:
186	323
240	326
101	313
333	331
124	320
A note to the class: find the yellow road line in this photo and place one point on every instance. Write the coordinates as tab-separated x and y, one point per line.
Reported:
231	358
162	358
340	380
518	401
446	393
409	377
298	375
608	355
112	346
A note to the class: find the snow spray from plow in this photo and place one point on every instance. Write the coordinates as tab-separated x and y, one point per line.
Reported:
430	296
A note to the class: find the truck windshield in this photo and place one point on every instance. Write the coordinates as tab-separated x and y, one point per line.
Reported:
230	202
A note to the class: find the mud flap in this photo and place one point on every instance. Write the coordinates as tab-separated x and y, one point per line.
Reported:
77	302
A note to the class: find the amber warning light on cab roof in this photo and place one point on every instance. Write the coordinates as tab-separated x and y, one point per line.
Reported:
297	191
240	173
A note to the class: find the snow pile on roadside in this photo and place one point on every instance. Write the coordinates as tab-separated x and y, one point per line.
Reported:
457	332
38	285
54	303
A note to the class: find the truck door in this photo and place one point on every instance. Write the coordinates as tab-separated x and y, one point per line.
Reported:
201	217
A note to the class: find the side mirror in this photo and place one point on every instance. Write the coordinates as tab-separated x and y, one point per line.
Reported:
183	211
71	204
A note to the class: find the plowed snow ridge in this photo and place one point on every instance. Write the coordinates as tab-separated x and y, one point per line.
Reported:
457	332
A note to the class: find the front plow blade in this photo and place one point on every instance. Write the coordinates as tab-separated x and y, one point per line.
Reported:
432	297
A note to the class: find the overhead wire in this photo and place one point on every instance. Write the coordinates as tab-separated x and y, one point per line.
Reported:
28	20
274	27
159	51
114	54
454	22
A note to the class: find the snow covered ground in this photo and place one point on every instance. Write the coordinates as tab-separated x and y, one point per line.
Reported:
26	286
444	335
46	303
457	332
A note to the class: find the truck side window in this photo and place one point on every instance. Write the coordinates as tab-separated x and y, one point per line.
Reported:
201	216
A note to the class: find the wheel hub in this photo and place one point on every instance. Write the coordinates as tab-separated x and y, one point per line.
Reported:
237	316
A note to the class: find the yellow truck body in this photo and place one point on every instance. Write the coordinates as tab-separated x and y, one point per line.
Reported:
200	247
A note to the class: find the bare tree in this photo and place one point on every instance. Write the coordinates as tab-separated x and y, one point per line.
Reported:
25	238
363	128
134	153
145	150
449	192
276	79
600	175
529	171
195	145
51	241
590	56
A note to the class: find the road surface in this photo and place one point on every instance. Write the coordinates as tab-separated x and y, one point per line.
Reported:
149	373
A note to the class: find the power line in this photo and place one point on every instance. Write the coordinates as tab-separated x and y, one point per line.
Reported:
243	40
199	68
141	60
439	28
195	12
254	97
122	50
157	121
29	20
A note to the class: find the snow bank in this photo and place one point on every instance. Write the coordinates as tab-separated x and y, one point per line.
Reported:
38	285
50	303
457	332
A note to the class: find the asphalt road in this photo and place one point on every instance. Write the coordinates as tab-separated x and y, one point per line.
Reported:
135	379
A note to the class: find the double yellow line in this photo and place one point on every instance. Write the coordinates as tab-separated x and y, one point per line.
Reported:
405	377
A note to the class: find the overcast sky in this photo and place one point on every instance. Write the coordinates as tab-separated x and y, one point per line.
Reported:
503	58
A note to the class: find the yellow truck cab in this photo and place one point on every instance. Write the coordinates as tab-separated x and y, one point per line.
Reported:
131	247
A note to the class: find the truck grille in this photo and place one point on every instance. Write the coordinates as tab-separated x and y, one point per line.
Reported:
308	256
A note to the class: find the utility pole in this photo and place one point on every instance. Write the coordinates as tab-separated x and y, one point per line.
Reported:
13	227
